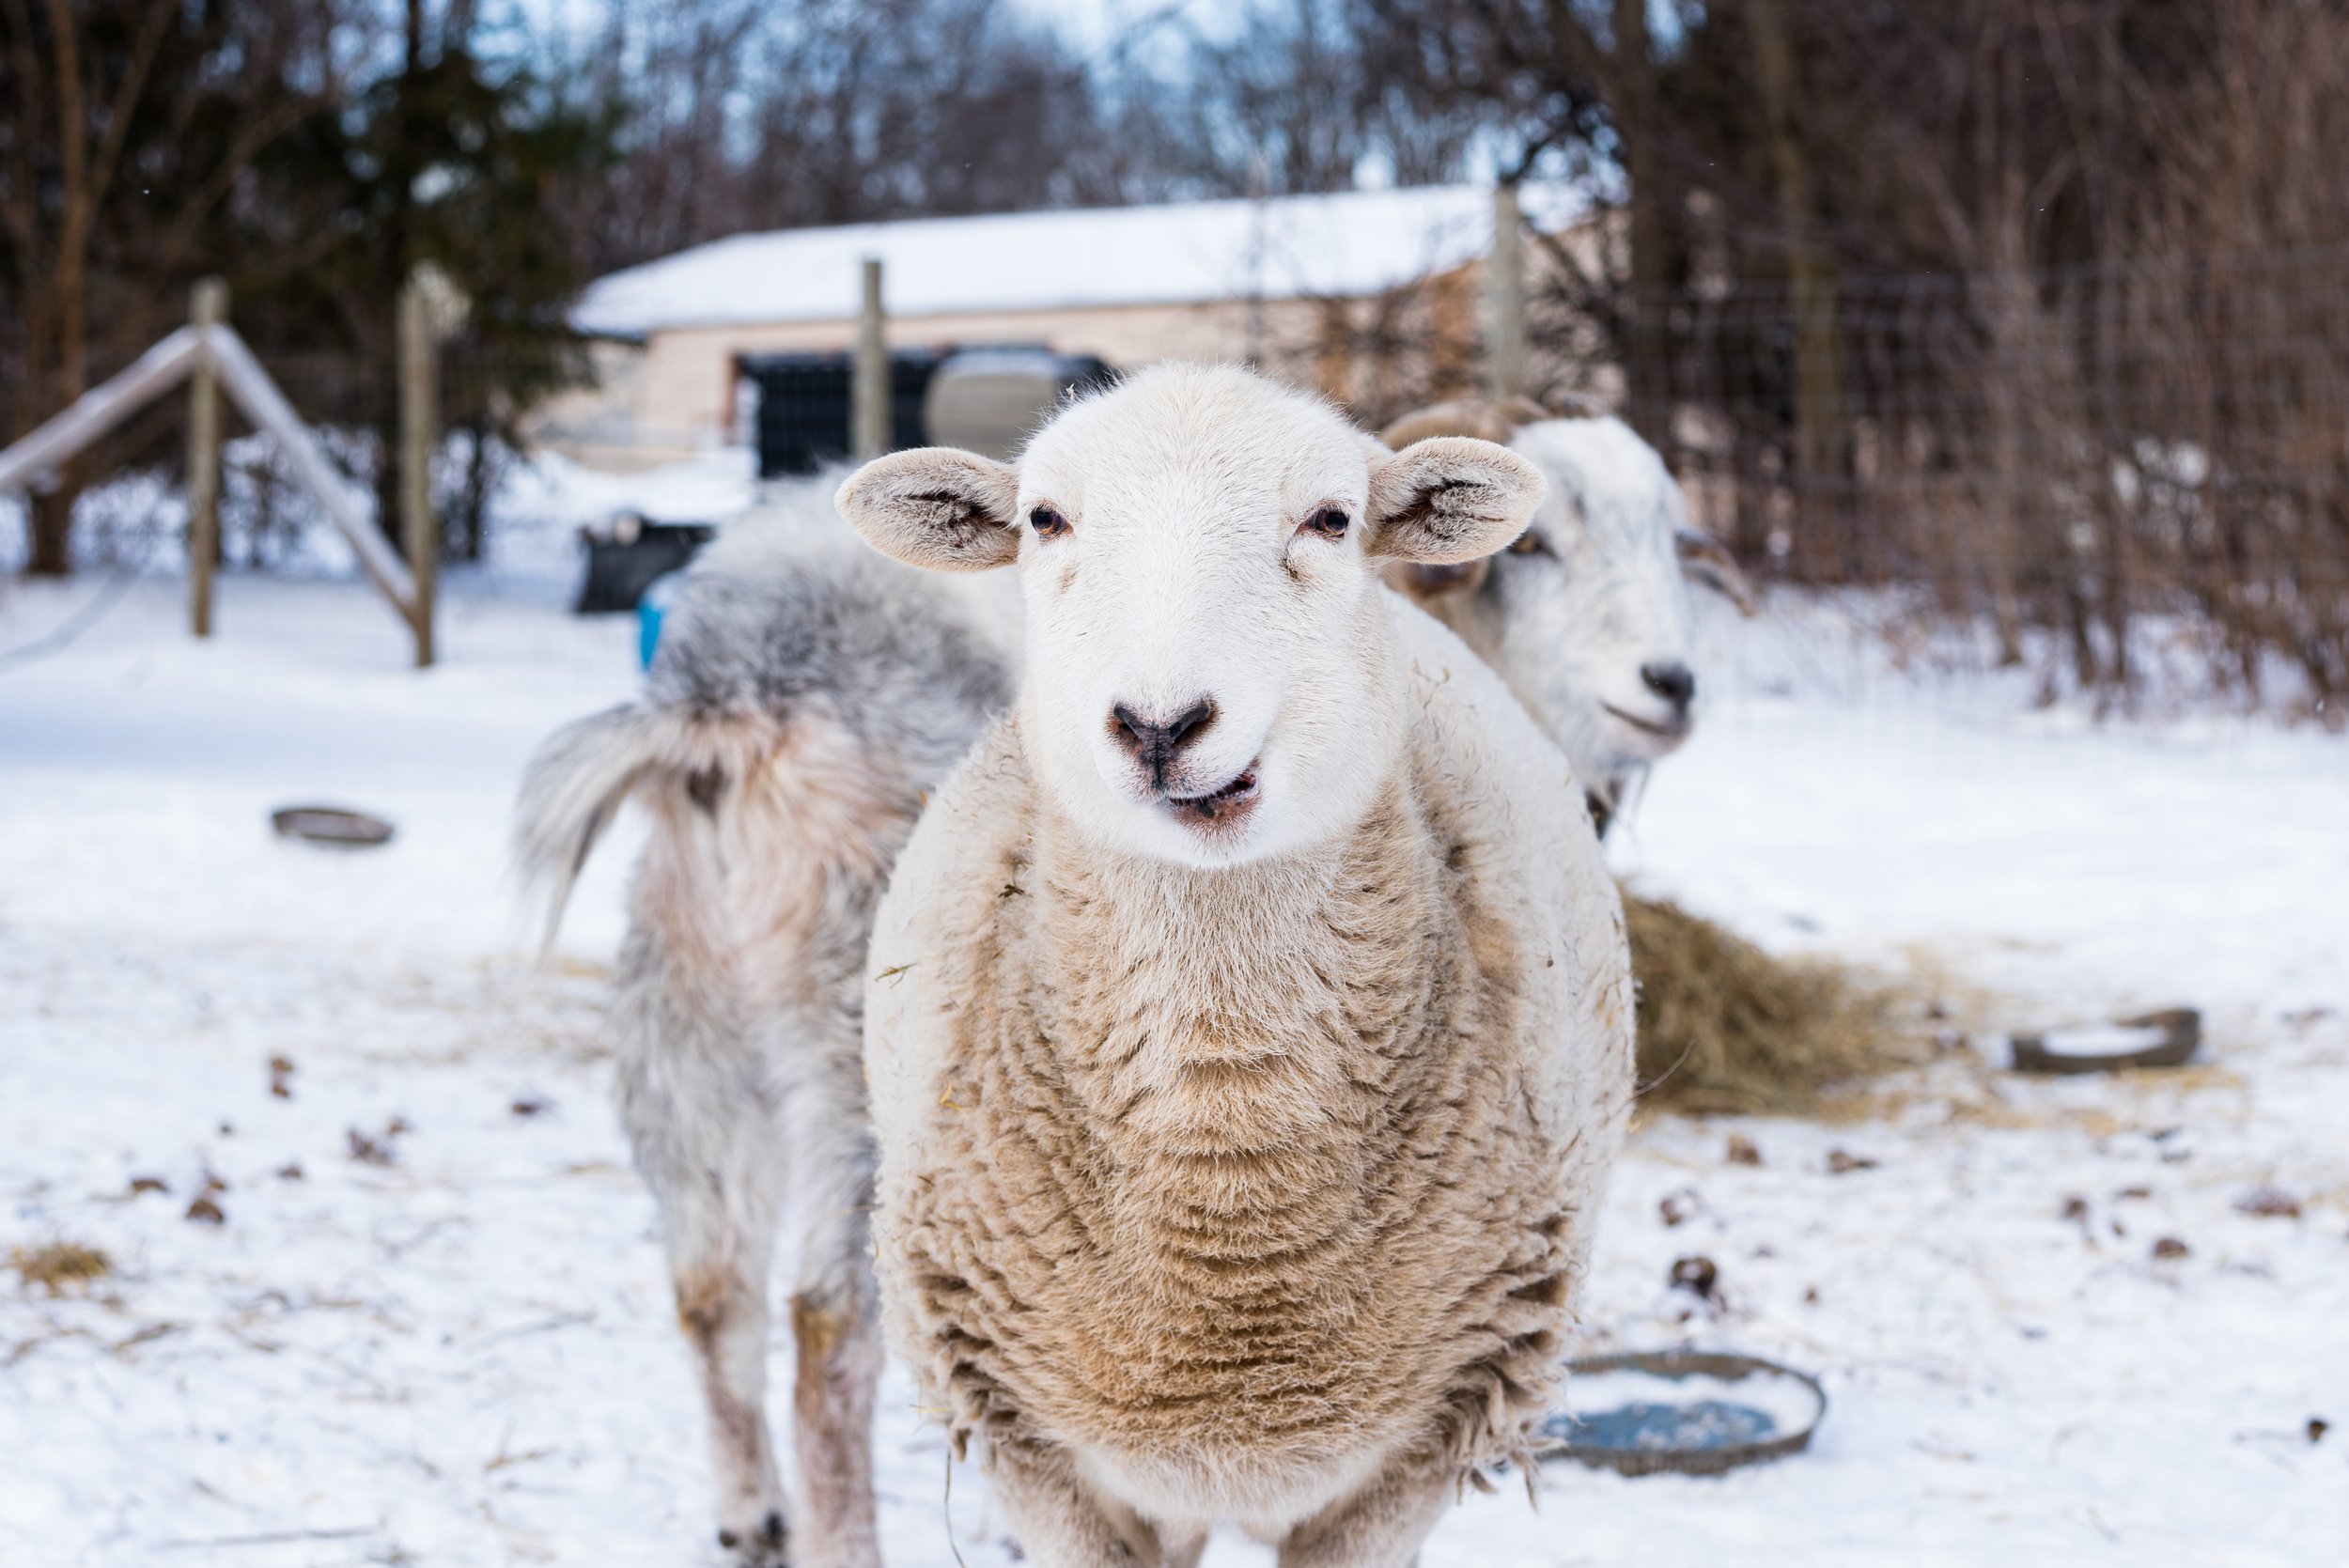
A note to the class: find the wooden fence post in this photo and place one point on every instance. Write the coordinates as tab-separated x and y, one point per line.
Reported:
418	417
868	402
1504	360
211	310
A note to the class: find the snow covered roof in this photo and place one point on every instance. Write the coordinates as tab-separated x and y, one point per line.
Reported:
1349	243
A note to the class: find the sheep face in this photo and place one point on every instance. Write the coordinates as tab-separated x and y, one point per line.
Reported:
1208	669
1586	613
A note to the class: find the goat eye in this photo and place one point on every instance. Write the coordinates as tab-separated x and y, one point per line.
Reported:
1531	543
1047	524
1329	522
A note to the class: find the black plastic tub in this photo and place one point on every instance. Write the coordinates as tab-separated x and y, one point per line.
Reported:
336	827
1685	1412
2168	1038
622	567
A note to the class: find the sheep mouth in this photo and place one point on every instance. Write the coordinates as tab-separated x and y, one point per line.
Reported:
1217	807
1676	730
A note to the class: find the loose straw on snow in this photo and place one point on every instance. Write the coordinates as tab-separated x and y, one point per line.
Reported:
1724	1027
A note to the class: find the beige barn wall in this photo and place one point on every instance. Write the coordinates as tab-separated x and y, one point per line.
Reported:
671	396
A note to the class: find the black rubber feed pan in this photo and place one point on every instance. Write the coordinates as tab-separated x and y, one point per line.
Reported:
1689	1412
2168	1038
333	826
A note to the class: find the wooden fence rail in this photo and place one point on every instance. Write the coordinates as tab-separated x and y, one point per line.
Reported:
212	345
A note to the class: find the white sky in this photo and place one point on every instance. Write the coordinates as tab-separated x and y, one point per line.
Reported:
1088	24
1091	23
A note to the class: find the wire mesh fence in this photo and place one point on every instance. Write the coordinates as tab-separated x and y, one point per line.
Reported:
2099	466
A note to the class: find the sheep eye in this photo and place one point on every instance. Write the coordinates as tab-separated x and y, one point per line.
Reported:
1047	524
1531	543
1329	522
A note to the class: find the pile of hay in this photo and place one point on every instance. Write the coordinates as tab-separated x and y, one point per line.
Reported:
1726	1027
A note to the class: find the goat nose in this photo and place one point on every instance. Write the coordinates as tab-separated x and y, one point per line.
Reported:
1154	741
1673	682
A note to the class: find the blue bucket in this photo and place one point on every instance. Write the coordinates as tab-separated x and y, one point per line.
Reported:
650	609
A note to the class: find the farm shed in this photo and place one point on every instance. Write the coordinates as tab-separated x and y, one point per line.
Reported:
1318	287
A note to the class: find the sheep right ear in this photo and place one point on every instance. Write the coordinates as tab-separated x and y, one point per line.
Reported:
1450	498
936	508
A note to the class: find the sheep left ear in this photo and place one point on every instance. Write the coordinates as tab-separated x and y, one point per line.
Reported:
1705	559
937	507
1450	499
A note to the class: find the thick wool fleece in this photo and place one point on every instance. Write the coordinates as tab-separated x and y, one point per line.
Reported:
1244	1184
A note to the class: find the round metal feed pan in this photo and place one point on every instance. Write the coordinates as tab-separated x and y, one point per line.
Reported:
331	825
2168	1038
1737	1410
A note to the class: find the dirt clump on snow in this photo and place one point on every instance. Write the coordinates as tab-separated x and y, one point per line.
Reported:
58	1263
1726	1027
1699	1276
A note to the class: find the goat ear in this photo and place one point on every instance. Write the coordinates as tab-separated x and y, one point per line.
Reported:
1426	585
936	508
1450	499
1706	560
1462	416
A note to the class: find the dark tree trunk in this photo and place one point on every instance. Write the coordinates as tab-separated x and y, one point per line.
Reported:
51	516
1647	367
1819	433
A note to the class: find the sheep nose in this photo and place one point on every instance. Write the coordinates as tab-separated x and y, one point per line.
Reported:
1154	741
1673	682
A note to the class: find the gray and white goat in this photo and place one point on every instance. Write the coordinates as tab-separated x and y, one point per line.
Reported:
806	694
1586	616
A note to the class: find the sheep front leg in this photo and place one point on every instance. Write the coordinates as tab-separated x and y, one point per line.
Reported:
1381	1525
1063	1522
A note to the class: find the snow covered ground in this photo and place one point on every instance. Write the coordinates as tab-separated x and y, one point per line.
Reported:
432	1327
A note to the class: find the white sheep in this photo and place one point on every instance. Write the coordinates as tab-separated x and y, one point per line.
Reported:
1586	614
1249	1019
